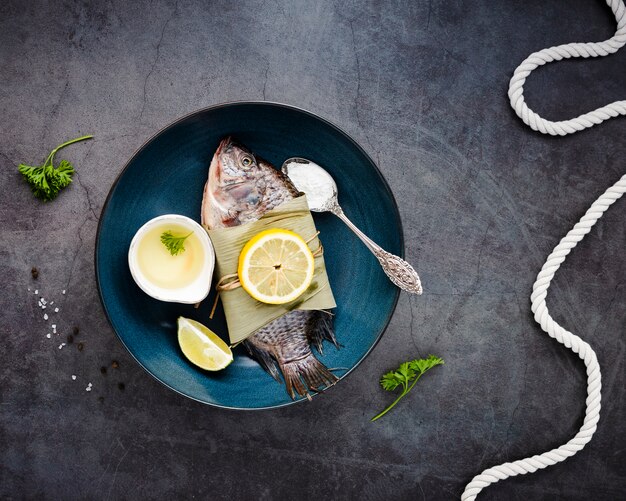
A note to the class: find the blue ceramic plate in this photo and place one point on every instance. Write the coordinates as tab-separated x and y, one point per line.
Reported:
167	175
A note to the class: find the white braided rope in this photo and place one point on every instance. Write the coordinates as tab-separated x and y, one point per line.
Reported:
556	258
593	49
573	342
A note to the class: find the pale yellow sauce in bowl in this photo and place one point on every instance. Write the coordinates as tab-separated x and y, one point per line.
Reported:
181	278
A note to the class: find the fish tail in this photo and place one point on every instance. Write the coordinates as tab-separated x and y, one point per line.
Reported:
307	371
321	329
264	358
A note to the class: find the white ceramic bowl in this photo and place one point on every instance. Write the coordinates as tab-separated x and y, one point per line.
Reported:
190	294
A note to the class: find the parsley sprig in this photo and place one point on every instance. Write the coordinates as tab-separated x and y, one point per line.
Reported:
405	377
174	244
45	180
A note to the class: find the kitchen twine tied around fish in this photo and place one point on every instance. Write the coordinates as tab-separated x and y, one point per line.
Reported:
558	255
231	281
244	314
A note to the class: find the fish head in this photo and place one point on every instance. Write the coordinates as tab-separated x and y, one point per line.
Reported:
240	186
234	165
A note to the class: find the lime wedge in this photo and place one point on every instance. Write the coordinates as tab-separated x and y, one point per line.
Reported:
202	346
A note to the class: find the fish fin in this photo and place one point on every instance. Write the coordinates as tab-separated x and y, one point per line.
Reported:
321	328
308	370
265	360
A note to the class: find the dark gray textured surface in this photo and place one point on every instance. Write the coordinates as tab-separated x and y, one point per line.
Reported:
422	86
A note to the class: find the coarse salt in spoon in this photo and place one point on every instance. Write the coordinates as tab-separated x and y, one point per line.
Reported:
321	192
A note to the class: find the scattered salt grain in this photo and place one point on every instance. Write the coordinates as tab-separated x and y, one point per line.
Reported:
45	316
43	306
56	310
29	289
88	387
61	345
43	301
36	292
51	302
73	377
63	291
54	326
48	335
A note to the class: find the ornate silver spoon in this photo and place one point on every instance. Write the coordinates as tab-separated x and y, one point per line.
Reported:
321	191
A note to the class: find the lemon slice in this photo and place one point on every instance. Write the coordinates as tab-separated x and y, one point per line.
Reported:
202	346
276	266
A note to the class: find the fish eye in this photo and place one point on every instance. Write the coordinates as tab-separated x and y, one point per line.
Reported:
246	161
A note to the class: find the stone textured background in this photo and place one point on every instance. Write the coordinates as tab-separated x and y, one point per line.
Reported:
422	86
